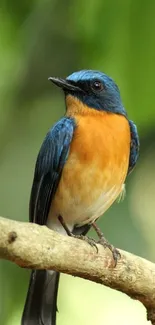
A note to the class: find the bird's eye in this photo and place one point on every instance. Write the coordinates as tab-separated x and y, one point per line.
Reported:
97	85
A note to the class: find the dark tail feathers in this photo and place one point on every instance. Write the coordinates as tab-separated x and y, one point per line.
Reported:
41	306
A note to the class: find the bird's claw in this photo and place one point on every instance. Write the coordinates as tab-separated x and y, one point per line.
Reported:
115	252
88	240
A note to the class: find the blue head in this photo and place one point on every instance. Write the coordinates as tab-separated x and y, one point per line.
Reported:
94	88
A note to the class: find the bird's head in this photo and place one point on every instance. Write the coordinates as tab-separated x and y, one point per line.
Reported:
94	89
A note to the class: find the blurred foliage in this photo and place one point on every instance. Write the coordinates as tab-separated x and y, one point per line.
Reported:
42	38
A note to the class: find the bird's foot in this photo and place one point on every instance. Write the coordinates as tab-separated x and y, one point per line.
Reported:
103	241
115	252
88	240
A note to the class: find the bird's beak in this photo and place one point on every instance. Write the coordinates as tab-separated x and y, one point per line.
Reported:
65	84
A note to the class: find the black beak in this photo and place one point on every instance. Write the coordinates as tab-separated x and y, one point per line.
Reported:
65	84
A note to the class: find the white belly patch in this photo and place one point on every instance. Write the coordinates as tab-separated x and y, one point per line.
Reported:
100	206
79	214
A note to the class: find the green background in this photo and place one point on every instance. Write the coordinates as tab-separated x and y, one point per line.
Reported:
40	38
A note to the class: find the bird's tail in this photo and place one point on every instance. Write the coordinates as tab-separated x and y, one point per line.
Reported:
41	302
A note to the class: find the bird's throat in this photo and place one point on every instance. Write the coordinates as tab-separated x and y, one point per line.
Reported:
76	107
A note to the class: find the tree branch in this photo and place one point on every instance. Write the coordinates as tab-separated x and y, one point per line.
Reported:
33	246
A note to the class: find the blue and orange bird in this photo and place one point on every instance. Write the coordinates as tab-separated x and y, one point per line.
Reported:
80	171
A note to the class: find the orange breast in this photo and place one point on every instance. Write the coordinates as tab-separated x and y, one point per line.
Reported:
96	168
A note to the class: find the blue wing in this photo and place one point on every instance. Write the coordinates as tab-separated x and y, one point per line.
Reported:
134	146
49	165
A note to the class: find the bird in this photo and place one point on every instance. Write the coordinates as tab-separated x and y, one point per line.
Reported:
80	172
